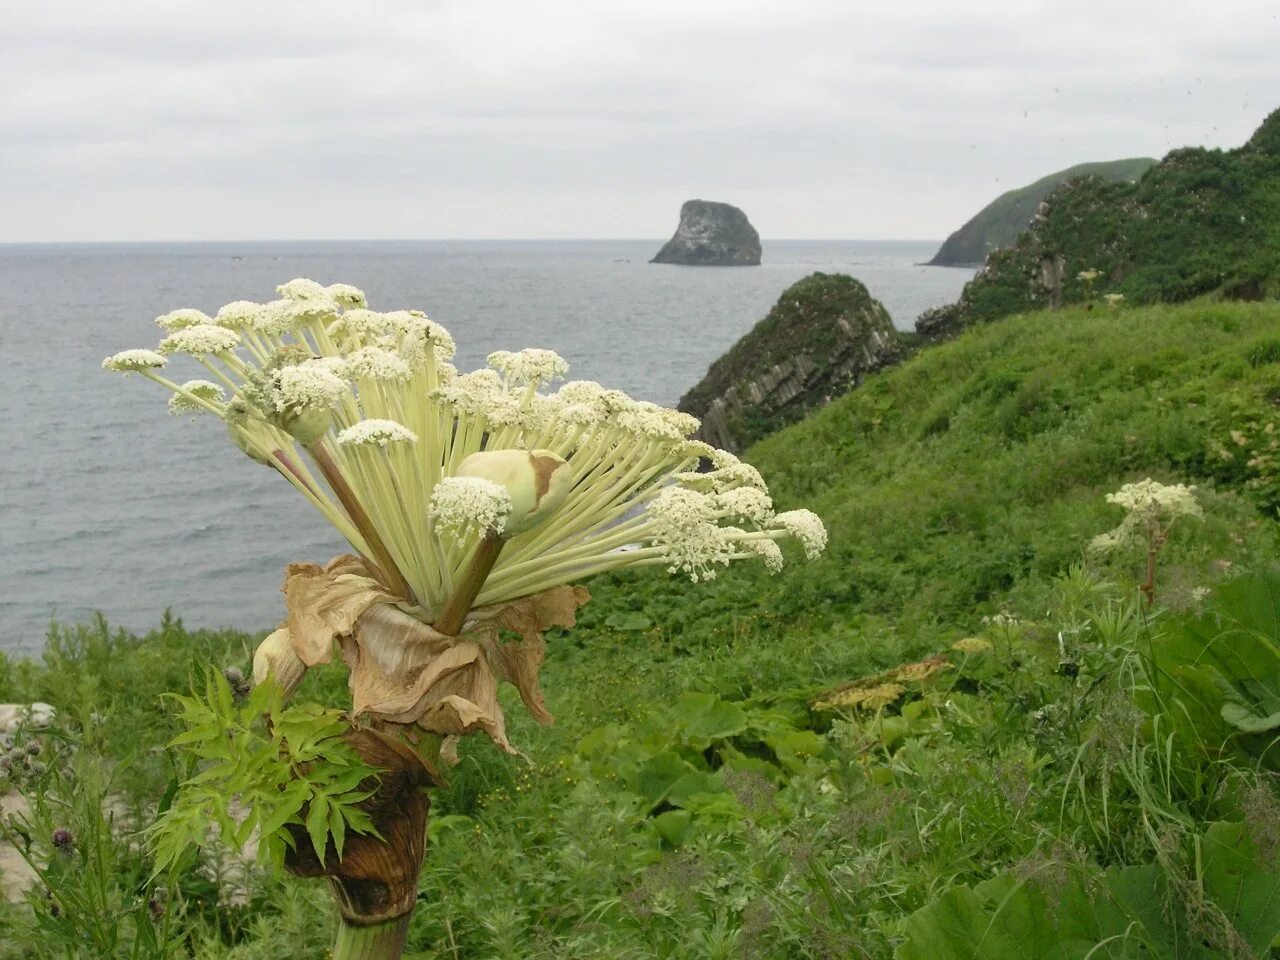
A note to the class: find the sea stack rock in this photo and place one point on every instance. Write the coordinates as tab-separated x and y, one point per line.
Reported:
824	335
712	234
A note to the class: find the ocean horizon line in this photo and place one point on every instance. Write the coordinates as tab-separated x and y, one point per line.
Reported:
364	240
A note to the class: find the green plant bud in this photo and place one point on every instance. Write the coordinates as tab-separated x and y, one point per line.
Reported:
537	481
308	424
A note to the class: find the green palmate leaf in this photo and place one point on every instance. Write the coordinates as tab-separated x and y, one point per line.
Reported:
1217	676
337	828
318	825
296	771
1242	883
1242	718
1122	912
704	718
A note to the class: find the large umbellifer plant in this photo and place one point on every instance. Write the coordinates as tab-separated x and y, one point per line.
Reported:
470	501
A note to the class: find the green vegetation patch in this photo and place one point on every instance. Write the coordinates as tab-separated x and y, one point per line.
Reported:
999	223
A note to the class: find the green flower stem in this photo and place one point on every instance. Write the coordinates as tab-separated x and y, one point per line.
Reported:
351	503
379	941
468	588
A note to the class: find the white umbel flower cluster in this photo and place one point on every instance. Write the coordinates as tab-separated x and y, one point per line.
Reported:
200	340
807	527
375	363
469	505
1150	497
363	413
196	396
531	365
684	527
131	361
177	319
306	385
1152	508
379	432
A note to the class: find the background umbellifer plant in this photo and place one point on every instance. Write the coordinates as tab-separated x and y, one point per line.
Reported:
470	501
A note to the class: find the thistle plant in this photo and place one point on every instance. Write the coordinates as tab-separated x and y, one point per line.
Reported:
1152	508
471	501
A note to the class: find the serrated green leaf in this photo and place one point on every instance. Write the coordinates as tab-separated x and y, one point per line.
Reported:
318	825
338	828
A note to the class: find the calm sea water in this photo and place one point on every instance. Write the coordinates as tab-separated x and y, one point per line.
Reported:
108	504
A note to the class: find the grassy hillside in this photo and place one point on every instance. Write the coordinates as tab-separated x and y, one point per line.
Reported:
695	799
1199	222
999	222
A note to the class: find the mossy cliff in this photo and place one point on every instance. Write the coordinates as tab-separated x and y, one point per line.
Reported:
999	222
1199	222
824	334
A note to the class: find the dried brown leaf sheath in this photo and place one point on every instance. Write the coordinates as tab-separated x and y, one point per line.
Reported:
403	671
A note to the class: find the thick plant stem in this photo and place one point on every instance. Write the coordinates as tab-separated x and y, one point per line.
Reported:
351	503
379	941
464	594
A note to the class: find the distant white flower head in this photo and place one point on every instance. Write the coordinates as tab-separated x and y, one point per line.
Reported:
380	432
200	341
1151	507
769	551
739	474
374	363
683	423
531	365
359	325
129	361
335	365
346	295
183	404
650	420
1150	497
475	393
422	338
750	503
239	315
462	505
303	289
580	391
685	529
309	384
511	410
805	526
177	319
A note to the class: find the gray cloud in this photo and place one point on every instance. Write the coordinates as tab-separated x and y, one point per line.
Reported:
142	119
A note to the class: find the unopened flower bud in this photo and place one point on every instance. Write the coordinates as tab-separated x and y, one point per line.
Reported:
537	481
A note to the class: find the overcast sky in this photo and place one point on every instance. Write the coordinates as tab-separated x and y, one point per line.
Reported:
257	119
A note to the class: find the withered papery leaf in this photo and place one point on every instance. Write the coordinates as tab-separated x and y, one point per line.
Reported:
518	662
405	672
324	603
275	657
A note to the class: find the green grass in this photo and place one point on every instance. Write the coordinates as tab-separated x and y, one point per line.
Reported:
689	802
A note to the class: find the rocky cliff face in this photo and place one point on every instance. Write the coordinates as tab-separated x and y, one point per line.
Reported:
817	343
712	234
1200	222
